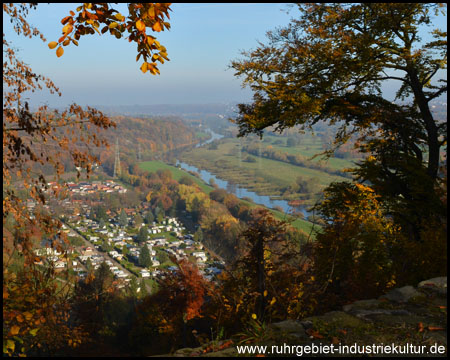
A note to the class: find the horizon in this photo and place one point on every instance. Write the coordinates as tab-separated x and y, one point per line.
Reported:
202	42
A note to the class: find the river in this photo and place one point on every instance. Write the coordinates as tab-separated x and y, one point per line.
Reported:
240	192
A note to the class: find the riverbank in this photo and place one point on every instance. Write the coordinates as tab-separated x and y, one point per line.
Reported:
267	177
178	173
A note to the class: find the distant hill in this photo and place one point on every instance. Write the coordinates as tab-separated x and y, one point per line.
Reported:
213	116
168	109
149	135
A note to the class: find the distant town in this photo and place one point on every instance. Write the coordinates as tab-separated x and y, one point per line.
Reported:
116	244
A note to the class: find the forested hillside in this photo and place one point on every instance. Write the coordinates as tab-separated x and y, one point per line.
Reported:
152	136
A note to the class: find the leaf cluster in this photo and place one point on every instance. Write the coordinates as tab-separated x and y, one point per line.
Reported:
89	18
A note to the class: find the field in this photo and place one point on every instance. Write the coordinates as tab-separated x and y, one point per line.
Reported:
309	146
177	174
264	176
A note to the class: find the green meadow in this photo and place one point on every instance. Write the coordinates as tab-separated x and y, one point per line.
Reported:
177	174
309	146
264	176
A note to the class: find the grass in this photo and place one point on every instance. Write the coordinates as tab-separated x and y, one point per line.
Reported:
264	176
177	174
201	134
309	146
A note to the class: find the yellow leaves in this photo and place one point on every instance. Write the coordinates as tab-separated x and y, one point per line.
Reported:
157	27
119	17
67	29
151	12
144	67
363	187
254	317
164	55
52	44
11	345
140	25
273	301
14	330
113	25
150	40
152	68
59	52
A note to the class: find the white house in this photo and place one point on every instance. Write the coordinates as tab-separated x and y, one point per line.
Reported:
155	261
60	265
145	273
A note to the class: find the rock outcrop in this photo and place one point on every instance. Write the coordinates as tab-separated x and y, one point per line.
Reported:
407	315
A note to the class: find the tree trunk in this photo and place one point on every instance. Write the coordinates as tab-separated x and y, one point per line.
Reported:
430	125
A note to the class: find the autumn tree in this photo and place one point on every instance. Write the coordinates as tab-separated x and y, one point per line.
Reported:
269	281
354	253
95	292
162	318
260	241
329	65
32	139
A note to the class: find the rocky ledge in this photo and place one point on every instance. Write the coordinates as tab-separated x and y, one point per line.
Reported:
404	316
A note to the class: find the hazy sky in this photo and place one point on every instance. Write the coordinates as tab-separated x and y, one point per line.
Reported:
201	43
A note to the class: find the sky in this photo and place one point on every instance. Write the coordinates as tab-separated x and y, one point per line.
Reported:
203	40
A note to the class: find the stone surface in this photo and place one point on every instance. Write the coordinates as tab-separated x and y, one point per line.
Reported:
337	317
362	304
366	314
228	352
403	294
288	326
438	284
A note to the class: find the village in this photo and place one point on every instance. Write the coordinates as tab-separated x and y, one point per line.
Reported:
118	242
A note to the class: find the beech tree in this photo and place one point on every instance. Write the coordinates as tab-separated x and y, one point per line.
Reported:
328	65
